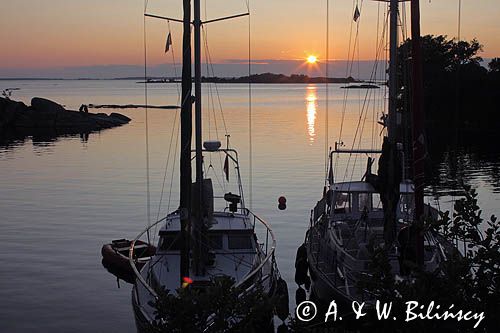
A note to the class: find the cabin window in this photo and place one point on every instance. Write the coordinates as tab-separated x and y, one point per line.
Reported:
171	242
215	241
239	242
364	202
342	202
406	203
377	204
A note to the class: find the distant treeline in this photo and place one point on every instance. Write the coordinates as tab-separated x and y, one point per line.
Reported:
460	94
265	78
279	78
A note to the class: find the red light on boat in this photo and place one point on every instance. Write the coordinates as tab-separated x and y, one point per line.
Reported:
186	281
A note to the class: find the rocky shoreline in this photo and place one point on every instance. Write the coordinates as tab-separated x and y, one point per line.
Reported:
44	114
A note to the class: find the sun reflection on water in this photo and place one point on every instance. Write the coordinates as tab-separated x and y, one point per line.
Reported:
311	105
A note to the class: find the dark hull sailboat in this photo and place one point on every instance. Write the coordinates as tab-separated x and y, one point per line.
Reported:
340	243
384	212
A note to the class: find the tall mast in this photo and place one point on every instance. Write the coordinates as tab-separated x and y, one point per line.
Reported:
197	92
186	133
199	158
393	66
418	137
389	168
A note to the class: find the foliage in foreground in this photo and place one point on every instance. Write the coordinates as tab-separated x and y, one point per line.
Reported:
456	81
221	304
469	281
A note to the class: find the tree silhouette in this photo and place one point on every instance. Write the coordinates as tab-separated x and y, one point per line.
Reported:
494	65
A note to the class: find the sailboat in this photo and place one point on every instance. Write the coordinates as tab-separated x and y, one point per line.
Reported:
383	211
198	242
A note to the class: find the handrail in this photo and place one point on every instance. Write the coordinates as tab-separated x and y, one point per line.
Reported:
269	254
132	262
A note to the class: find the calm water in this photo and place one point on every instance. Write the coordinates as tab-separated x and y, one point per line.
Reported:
61	199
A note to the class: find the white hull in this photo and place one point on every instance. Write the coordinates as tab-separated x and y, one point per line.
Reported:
236	253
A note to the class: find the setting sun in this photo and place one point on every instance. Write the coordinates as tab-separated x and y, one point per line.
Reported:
312	59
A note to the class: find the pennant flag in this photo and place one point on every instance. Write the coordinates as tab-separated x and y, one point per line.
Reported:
169	42
226	167
357	14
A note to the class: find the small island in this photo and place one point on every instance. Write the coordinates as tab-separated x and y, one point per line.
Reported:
263	78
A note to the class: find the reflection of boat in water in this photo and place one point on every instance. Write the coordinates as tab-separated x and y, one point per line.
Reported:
212	233
358	218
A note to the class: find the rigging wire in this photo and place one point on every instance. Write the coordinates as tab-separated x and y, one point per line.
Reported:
148	192
174	64
166	165
358	51
211	106
327	88
210	93
355	50
358	60
250	143
347	74
367	94
173	130
374	95
361	119
459	20
212	73
209	98
211	103
173	166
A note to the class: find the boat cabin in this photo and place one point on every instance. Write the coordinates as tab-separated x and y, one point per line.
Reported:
356	198
218	241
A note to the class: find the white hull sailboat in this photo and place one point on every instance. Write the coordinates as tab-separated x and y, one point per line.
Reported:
231	249
210	234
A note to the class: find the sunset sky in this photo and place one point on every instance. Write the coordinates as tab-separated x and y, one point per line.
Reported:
44	36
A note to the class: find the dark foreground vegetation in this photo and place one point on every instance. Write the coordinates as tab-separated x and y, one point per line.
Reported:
460	94
219	307
471	281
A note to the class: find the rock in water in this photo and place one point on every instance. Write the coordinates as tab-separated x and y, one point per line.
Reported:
10	111
120	116
46	105
19	120
44	113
